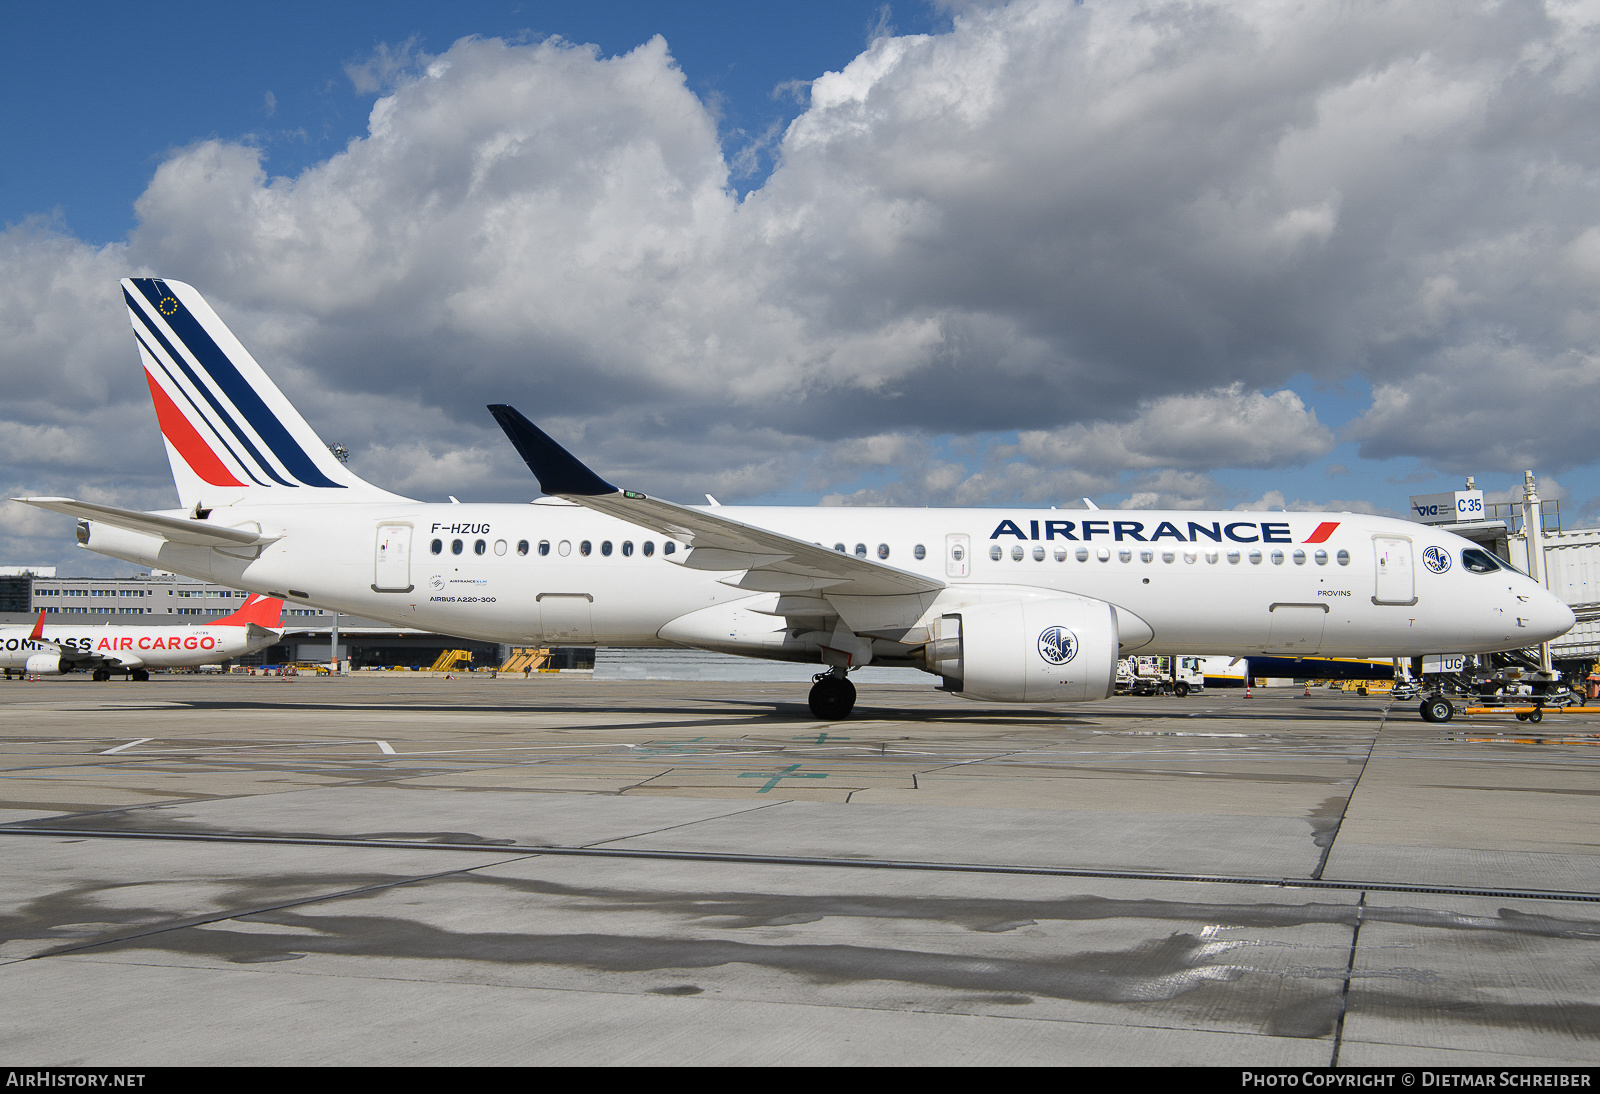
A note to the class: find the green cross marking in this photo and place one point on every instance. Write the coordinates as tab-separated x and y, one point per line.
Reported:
772	779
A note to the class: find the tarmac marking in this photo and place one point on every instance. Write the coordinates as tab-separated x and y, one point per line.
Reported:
130	744
385	748
782	773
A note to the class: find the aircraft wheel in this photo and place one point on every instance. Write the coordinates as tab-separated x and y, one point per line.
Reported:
1438	709
1536	714
140	675
100	676
832	698
1181	690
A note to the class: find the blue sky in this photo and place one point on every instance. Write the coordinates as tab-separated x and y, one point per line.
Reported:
98	94
1186	254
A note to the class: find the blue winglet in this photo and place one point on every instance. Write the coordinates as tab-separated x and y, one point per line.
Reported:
558	471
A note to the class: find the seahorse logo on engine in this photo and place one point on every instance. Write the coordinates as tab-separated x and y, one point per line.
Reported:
1057	645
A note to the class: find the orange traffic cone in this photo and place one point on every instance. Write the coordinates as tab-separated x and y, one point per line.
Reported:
1307	695
1247	689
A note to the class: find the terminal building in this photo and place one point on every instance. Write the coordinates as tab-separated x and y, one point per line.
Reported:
163	599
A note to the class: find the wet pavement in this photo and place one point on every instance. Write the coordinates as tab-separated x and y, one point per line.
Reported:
393	869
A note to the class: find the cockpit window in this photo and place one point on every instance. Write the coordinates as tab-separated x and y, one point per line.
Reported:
1479	562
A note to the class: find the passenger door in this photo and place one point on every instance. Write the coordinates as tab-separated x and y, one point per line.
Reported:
1396	581
392	566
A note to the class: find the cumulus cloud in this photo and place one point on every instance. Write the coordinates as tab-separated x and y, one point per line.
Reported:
1103	237
1225	427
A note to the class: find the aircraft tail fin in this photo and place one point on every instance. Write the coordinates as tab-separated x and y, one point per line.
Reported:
263	611
231	435
38	628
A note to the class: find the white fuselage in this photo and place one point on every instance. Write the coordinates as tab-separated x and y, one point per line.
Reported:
132	646
1287	583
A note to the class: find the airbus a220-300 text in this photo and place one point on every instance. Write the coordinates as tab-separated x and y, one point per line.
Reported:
1008	605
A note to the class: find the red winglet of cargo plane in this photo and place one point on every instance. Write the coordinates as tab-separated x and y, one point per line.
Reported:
263	611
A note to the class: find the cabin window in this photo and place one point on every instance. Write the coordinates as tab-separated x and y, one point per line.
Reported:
1081	554
1233	557
649	547
438	546
1479	562
455	546
499	546
1343	557
1255	558
1147	555
840	548
1277	558
1017	553
627	548
668	547
1104	554
1038	554
1190	557
1321	557
919	552
883	550
1299	558
1061	554
585	548
995	552
1212	556
479	547
522	547
1168	556
544	548
1126	554
565	548
605	548
861	550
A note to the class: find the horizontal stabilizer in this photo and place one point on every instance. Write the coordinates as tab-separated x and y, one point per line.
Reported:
195	533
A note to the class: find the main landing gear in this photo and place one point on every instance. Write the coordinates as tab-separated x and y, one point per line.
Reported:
833	696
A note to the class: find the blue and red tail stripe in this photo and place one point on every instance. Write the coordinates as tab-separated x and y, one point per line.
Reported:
247	404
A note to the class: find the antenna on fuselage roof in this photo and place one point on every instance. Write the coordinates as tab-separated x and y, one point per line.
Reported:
1089	504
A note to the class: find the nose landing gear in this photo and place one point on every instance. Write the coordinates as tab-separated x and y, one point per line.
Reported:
1437	709
832	697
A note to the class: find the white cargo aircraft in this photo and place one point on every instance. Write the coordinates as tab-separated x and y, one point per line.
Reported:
1001	604
135	650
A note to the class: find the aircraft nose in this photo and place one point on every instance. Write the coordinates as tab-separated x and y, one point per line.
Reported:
1551	617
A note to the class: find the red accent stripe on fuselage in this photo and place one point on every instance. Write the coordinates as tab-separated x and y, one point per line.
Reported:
1324	530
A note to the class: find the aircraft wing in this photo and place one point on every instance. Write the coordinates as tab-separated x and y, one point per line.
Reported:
71	656
771	561
197	533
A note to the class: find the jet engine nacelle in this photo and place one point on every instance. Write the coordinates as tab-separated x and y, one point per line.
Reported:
43	664
1060	650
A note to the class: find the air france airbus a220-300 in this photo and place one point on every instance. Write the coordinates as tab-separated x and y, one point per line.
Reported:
1009	605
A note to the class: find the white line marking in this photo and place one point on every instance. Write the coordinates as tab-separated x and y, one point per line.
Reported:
384	746
130	744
